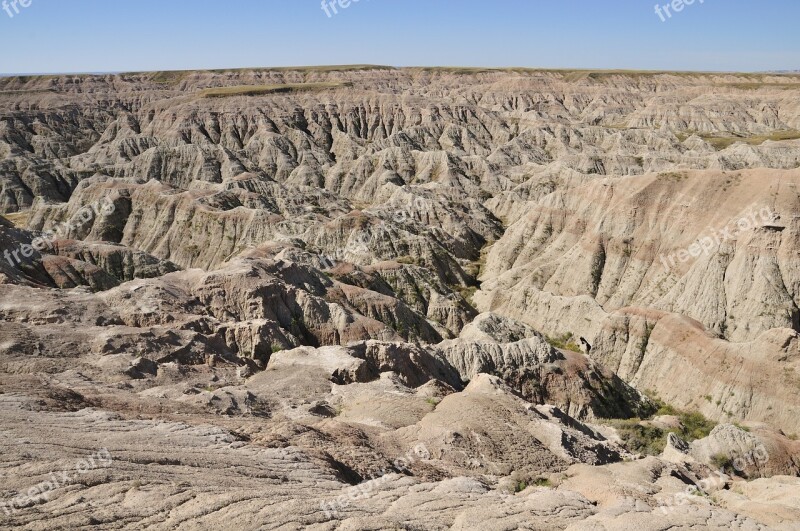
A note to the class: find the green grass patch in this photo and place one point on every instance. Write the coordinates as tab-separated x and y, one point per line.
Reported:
543	482
260	90
522	484
172	75
406	260
169	77
722	462
577	74
722	141
19	219
307	69
565	341
756	85
458	70
641	438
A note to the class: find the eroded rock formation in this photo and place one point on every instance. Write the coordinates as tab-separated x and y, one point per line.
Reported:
360	306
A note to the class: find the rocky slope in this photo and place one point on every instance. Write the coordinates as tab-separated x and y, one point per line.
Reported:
357	301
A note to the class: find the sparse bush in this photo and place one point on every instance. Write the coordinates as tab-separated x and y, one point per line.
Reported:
543	482
565	341
695	426
642	438
722	462
467	294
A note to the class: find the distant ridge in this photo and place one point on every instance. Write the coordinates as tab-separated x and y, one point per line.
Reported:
365	67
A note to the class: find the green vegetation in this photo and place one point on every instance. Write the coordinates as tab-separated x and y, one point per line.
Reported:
673	176
169	77
458	70
19	219
641	437
565	341
260	90
753	81
646	339
761	84
474	269
29	91
571	74
467	293
598	266
695	426
724	463
522	484
307	69
723	141
406	260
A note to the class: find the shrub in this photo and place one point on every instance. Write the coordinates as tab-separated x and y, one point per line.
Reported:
640	438
645	439
722	462
564	342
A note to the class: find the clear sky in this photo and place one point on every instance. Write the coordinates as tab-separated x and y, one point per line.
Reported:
127	35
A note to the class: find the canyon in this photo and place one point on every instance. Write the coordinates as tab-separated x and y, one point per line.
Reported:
366	297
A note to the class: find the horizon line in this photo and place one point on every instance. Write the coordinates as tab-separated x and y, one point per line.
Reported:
356	66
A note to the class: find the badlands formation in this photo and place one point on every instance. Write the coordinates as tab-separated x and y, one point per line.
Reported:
376	298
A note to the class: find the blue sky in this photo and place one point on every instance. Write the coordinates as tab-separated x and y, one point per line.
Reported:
126	35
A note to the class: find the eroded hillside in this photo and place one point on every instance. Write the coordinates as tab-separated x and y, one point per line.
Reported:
273	285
